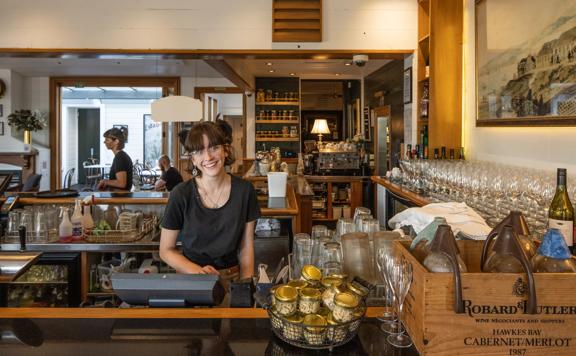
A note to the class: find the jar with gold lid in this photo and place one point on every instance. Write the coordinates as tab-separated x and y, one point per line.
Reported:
335	286
336	332
309	302
344	306
286	300
311	274
298	284
292	327
314	329
360	291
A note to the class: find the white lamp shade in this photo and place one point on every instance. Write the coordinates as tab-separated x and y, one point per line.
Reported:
320	127
176	109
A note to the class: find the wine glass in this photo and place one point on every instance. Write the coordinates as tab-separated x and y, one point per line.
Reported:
388	316
400	276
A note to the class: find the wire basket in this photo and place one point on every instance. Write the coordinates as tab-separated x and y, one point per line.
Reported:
327	337
123	235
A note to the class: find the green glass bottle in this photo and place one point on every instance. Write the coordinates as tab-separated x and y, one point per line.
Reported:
561	212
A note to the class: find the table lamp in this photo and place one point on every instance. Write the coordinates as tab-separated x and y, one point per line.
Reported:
320	127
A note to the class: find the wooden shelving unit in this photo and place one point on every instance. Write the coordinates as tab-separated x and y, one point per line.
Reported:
440	25
274	116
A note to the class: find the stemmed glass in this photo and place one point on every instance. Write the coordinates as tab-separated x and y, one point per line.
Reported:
388	317
399	272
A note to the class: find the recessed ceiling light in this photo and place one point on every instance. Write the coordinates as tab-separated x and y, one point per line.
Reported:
271	71
292	73
347	64
337	74
269	63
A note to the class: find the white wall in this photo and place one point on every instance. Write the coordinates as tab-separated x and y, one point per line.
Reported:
542	147
216	24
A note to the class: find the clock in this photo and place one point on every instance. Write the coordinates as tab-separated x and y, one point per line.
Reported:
2	88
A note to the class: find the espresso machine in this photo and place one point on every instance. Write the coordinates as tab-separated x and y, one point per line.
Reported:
331	162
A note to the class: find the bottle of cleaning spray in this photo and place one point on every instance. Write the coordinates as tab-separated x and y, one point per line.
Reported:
65	229
87	221
76	221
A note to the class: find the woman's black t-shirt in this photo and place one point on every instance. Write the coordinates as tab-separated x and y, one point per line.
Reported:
122	163
211	236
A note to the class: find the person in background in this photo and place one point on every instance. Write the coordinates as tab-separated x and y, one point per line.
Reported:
170	176
120	177
214	213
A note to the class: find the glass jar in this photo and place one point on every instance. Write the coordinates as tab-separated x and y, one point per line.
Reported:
309	302
292	328
328	295
293	131
276	96
290	114
273	115
335	333
358	290
285	131
269	95
260	96
299	284
314	329
312	275
344	307
286	300
262	115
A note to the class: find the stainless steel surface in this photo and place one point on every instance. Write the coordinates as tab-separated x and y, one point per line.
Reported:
13	264
79	247
381	142
337	160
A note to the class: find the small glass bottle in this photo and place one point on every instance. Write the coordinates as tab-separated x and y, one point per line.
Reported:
286	300
314	329
344	306
312	275
292	327
309	302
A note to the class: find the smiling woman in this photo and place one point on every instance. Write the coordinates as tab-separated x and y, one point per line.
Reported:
214	213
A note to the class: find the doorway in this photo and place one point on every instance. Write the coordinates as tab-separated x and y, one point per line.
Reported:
88	143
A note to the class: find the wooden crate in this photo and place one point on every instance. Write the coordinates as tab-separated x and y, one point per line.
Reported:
494	322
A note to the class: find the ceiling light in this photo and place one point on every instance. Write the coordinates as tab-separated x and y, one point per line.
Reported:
347	64
269	63
337	74
271	71
292	74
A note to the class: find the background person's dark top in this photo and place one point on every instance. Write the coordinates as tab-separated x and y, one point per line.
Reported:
211	236
122	162
171	177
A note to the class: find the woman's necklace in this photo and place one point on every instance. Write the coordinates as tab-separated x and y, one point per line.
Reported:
207	198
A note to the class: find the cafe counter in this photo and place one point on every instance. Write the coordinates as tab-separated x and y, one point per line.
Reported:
144	331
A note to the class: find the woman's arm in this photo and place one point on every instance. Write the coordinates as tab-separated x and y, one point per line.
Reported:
247	251
176	259
119	182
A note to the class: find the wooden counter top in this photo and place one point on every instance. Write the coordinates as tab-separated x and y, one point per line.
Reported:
146	313
398	190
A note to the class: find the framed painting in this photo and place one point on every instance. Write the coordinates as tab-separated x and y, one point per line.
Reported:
525	63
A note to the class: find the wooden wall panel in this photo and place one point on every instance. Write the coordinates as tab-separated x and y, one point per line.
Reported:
297	21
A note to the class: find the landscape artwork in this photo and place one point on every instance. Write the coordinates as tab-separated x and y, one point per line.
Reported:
526	62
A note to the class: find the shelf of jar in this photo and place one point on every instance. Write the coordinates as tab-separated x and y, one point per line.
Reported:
278	103
277	139
279	121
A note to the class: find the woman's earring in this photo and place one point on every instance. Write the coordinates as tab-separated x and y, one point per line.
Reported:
194	171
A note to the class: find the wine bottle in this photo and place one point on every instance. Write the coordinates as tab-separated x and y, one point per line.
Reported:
561	212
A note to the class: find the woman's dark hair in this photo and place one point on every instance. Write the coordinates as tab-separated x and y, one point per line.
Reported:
226	130
215	135
117	134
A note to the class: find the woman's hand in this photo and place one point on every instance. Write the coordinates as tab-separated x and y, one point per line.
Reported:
209	270
102	184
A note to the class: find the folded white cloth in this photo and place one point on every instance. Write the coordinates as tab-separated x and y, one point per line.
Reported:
460	217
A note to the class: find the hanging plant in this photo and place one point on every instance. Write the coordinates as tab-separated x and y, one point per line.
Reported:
27	120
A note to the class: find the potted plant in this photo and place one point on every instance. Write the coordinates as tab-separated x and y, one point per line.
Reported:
27	121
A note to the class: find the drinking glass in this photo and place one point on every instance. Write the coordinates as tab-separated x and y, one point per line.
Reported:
13	224
361	211
356	255
40	229
385	253
301	253
344	226
26	220
331	258
399	273
319	230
